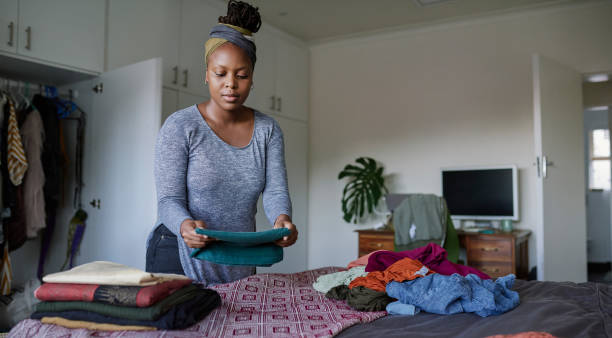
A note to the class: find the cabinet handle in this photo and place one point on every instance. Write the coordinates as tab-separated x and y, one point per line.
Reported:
175	70
11	27
279	100
490	249
28	45
273	103
186	74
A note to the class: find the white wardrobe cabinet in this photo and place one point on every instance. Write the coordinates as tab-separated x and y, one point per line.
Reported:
296	158
197	18
8	25
173	100
280	83
263	96
141	29
67	33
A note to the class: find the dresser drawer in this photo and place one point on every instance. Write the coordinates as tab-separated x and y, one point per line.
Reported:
489	250
368	244
494	270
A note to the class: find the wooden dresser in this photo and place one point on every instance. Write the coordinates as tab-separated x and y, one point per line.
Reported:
496	254
499	253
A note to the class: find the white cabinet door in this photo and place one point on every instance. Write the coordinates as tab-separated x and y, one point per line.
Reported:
66	32
197	19
120	140
185	100
169	103
142	29
262	96
292	80
8	25
296	159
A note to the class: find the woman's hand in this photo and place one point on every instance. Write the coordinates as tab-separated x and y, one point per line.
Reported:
191	237
284	221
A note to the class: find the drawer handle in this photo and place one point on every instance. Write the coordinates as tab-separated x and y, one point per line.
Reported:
376	245
28	45
489	249
490	270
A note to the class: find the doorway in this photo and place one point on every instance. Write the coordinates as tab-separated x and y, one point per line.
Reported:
597	183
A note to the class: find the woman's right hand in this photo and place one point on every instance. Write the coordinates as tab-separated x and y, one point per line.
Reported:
191	237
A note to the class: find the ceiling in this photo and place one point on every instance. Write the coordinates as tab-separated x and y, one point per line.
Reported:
321	20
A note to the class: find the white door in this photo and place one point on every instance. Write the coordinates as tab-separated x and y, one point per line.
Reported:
66	32
185	99
8	25
118	164
136	34
197	19
169	103
296	158
263	97
559	150
292	80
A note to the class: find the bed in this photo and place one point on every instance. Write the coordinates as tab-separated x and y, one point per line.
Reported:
286	305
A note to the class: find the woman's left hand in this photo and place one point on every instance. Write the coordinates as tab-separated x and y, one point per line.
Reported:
283	221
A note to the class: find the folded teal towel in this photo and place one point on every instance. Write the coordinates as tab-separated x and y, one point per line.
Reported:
242	248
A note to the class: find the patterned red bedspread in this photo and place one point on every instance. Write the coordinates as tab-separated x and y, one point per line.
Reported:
263	305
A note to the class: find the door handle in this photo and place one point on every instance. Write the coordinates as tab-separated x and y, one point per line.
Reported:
186	74
28	45
11	27
279	101
545	165
273	107
175	70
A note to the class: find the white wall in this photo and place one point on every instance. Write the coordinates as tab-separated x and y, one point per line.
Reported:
418	100
598	202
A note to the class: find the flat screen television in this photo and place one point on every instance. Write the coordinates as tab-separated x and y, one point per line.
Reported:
481	193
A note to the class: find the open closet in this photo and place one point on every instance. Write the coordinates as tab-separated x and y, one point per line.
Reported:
123	116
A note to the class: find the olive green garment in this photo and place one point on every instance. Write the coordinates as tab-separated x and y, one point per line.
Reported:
361	298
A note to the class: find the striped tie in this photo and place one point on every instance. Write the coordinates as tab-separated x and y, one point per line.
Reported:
17	162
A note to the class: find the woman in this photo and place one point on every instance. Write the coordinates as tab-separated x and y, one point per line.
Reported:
214	159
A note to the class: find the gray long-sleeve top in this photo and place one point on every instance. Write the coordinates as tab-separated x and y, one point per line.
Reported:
199	176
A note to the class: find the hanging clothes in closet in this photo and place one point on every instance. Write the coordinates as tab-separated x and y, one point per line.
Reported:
33	164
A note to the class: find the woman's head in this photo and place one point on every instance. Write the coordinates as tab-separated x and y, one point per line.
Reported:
231	54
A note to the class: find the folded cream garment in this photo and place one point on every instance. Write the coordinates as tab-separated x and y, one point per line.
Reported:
109	273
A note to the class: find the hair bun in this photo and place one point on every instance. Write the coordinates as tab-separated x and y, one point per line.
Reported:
242	14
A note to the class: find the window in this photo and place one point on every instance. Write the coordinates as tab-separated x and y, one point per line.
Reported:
599	168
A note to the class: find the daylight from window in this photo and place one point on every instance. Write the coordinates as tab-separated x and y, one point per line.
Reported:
600	159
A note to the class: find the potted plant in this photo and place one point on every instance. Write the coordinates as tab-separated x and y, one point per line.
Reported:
364	189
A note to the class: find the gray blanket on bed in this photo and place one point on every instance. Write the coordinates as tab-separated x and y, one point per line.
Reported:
561	309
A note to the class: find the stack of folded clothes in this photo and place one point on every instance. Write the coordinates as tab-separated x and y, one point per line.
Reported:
110	296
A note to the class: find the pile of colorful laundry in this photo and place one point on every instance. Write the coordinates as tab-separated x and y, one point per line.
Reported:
407	282
114	297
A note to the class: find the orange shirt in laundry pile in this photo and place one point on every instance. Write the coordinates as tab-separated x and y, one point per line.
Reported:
402	270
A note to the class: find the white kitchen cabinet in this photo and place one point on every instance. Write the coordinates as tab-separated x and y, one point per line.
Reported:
63	32
197	18
8	25
142	29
